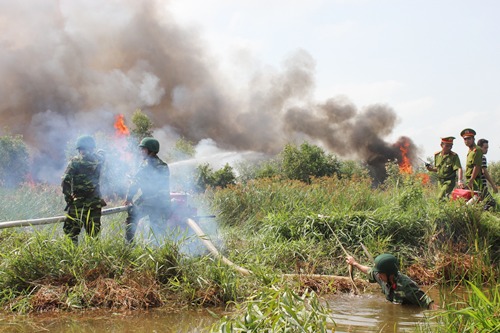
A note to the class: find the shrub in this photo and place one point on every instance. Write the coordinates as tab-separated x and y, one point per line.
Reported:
14	160
308	161
206	177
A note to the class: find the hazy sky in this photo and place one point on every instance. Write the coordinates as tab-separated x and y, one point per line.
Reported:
353	76
434	62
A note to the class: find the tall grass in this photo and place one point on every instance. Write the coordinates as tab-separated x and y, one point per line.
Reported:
270	226
277	219
478	311
31	201
41	269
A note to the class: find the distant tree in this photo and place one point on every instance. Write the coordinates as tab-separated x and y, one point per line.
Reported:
494	171
307	161
206	177
183	149
224	177
14	160
349	169
143	125
261	169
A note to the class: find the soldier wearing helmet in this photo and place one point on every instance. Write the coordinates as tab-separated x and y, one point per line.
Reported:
149	191
397	287
81	188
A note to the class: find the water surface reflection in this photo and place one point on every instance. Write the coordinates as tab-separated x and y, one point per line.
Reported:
102	321
371	312
368	312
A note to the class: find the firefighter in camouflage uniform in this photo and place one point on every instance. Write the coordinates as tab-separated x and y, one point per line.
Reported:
80	186
397	287
149	192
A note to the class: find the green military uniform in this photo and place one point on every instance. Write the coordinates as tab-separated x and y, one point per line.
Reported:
153	180
447	166
80	186
403	291
474	158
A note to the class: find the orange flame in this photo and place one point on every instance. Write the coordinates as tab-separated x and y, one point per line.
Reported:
121	128
121	134
405	164
425	178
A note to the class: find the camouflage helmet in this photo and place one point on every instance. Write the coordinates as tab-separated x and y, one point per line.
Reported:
386	263
151	144
85	142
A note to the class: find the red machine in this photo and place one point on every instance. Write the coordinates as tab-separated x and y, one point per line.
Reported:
460	193
180	207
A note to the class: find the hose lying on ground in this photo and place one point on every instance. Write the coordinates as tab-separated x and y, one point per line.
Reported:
190	222
55	219
213	250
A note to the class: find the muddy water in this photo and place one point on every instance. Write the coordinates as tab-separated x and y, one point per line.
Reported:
105	321
369	312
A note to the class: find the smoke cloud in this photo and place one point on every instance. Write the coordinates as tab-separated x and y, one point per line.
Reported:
69	67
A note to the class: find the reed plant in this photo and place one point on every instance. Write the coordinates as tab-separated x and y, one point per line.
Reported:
277	309
270	220
30	201
478	311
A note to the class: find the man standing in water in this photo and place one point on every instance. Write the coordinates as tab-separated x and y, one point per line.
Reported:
446	165
80	186
397	287
153	181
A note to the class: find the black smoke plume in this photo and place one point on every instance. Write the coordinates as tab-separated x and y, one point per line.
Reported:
69	67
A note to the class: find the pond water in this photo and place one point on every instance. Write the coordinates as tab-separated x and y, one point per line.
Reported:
369	312
105	321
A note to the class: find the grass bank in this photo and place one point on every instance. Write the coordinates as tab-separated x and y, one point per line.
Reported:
269	226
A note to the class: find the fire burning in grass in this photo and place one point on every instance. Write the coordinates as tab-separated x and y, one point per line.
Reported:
405	166
121	129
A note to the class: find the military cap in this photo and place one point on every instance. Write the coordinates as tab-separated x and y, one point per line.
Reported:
448	139
386	263
467	132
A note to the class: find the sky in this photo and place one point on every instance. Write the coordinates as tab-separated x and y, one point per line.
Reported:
434	62
241	79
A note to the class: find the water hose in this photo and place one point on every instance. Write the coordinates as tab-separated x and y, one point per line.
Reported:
55	219
190	222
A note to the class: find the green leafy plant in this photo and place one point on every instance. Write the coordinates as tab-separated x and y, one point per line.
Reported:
14	160
307	161
276	309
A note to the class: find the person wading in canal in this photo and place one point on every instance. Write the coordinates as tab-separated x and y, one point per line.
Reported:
153	181
446	165
397	287
81	190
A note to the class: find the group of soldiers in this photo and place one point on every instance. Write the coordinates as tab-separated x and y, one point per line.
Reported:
450	174
80	186
148	193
